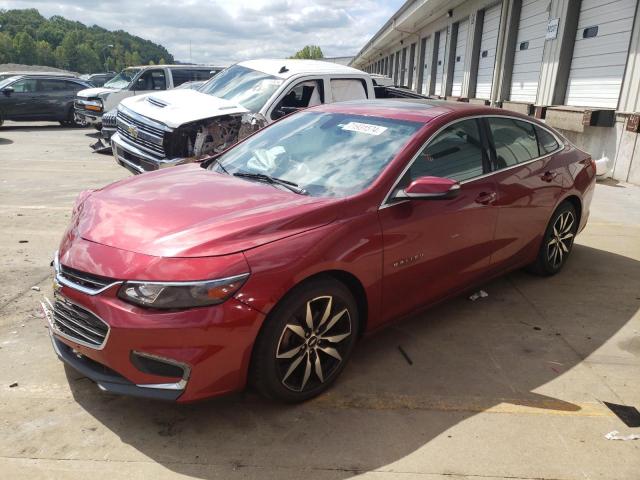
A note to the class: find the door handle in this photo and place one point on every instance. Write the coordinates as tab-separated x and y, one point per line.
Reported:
486	198
548	176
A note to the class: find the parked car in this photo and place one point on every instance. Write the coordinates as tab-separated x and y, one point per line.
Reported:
5	75
169	128
99	79
93	102
39	98
267	262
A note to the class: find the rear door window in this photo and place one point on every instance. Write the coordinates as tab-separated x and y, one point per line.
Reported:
515	141
348	89
456	153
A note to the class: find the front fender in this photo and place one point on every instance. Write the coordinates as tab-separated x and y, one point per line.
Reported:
353	246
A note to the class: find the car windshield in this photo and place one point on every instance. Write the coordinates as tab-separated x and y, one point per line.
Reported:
326	154
242	85
123	79
6	80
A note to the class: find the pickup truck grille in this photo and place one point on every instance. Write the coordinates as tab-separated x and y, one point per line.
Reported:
109	119
141	135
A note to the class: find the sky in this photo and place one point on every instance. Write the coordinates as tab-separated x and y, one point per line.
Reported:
225	32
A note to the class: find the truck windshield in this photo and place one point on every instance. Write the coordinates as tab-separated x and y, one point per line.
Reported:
242	85
325	154
123	79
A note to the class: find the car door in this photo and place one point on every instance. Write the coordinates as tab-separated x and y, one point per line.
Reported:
302	94
436	247
51	97
528	184
149	81
21	102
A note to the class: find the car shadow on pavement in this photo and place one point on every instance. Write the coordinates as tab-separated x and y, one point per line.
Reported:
467	357
5	141
30	128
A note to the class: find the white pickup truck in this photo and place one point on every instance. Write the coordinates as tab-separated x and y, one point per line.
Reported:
91	103
168	128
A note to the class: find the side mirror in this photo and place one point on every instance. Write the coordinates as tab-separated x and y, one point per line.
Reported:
7	91
429	188
283	111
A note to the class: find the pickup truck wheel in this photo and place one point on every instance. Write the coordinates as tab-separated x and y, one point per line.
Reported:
306	341
557	241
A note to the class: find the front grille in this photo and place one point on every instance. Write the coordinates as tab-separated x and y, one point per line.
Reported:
109	119
78	324
86	280
140	134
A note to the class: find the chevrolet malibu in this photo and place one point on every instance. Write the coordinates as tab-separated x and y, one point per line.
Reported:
265	264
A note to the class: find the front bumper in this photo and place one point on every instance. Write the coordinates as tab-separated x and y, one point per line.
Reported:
88	116
137	160
212	345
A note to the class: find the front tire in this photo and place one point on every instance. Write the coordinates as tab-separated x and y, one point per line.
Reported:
557	241
306	341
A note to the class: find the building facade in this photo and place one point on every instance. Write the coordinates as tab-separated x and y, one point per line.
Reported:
573	63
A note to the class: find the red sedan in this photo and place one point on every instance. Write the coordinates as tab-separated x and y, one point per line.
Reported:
266	263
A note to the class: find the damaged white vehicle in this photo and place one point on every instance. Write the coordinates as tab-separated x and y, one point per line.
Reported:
168	128
91	103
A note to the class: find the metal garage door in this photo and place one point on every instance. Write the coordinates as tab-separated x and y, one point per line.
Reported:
488	44
413	82
442	43
527	61
396	68
426	57
600	53
403	67
460	55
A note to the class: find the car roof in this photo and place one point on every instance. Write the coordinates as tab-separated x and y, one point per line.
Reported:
48	77
146	67
295	67
418	110
23	73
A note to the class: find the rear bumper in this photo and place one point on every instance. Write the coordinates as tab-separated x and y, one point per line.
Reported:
137	160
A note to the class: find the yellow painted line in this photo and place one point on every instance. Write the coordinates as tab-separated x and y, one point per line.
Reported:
525	406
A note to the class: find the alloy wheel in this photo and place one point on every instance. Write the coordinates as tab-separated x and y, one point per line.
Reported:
561	239
313	343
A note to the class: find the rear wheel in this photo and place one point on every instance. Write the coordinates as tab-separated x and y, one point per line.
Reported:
306	341
557	241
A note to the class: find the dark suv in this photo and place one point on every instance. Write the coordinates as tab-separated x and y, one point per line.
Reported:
39	98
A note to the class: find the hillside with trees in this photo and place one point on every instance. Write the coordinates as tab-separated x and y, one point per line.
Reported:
27	37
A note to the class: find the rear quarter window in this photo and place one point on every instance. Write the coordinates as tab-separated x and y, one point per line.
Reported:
547	143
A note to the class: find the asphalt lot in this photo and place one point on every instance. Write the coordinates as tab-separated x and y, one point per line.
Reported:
507	386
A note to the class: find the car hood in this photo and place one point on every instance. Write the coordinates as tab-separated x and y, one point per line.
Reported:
177	107
95	92
188	211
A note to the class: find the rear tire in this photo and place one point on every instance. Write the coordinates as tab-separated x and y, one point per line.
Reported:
557	241
305	341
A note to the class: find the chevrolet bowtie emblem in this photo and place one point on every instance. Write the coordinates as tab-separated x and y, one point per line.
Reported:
133	131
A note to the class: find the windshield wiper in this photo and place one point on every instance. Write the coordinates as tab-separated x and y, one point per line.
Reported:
263	177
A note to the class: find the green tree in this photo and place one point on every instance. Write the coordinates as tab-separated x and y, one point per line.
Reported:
25	48
309	52
6	48
71	45
44	54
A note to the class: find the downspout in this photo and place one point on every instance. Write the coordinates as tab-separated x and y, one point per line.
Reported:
497	69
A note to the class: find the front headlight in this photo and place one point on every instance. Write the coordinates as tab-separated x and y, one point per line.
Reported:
94	105
168	295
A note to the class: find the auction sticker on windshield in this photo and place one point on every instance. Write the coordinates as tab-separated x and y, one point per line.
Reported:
364	128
